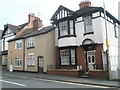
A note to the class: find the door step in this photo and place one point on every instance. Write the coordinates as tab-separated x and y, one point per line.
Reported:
85	75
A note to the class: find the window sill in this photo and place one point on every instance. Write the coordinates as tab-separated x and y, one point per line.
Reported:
88	33
17	66
30	47
66	36
18	48
30	65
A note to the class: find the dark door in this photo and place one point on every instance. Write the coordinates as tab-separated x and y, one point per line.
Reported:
40	64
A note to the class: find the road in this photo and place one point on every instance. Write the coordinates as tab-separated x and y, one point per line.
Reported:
13	81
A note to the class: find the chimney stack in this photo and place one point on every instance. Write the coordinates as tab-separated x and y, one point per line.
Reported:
84	3
31	17
37	23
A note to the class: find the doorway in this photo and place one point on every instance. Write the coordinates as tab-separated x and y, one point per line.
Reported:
91	60
40	64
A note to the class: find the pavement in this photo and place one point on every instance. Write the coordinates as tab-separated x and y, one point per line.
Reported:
89	81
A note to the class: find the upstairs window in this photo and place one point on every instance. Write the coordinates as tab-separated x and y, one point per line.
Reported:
66	28
18	44
116	31
88	24
31	42
63	27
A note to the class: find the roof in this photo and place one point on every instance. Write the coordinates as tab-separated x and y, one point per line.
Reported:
60	8
84	11
30	32
22	26
89	10
44	30
13	28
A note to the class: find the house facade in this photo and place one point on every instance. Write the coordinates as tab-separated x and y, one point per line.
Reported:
80	40
16	47
40	50
10	31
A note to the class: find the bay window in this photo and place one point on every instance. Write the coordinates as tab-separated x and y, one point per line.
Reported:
67	56
66	28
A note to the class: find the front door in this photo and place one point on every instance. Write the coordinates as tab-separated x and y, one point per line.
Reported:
40	63
91	60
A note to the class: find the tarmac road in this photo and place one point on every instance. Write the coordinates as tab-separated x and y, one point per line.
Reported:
14	81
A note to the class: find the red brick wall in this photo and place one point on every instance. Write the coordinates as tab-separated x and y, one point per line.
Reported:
99	74
81	58
64	73
98	56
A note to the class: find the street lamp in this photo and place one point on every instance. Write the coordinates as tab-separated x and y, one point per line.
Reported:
107	44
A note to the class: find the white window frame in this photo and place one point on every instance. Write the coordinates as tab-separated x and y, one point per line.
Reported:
31	59
18	62
30	42
88	24
18	44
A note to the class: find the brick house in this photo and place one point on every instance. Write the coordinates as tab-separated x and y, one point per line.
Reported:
80	41
16	45
33	50
10	31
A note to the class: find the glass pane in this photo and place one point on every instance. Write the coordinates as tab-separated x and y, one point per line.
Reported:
71	27
89	59
93	59
73	61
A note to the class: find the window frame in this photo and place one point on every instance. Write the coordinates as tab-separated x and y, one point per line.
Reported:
30	60
69	34
88	22
30	42
19	62
69	57
18	44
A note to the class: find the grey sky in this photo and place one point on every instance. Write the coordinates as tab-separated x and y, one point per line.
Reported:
16	11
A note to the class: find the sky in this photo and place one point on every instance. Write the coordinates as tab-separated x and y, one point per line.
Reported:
16	11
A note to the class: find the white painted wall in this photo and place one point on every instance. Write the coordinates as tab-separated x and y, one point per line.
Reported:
97	29
0	40
113	44
6	43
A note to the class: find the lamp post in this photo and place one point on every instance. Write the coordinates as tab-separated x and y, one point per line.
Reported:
107	44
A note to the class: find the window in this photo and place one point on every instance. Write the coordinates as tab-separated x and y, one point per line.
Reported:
88	24
63	27
66	28
31	42
67	56
18	44
30	59
18	62
116	31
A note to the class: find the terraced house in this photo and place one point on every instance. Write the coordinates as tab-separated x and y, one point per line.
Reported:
33	50
80	41
10	31
16	46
